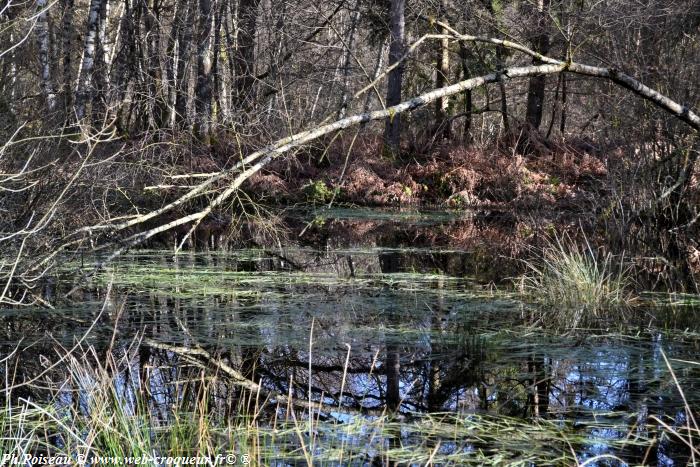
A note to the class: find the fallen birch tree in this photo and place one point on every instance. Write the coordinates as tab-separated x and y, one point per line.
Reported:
229	181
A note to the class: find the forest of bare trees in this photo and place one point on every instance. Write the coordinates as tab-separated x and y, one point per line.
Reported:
267	69
123	119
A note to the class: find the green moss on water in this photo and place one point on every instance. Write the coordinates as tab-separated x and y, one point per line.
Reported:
487	339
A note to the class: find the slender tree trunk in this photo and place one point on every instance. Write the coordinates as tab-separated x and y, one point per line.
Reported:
110	48
183	66
502	87
54	55
42	31
346	61
555	107
13	74
204	66
435	397
219	94
157	100
67	46
377	71
85	84
393	373
102	51
496	10
397	24
230	29
537	85
562	123
464	58
442	73
8	73
173	52
103	35
538	399
140	109
245	52
125	68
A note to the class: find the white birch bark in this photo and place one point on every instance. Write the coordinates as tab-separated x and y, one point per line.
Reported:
84	90
235	176
42	31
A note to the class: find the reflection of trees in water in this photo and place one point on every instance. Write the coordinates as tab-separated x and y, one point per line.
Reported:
425	370
427	374
422	355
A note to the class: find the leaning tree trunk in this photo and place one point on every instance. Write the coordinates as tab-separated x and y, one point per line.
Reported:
397	23
42	31
253	163
536	87
204	63
84	91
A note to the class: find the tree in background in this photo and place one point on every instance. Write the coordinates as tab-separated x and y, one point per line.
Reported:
397	48
199	85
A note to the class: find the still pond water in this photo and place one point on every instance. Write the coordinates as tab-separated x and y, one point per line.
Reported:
454	371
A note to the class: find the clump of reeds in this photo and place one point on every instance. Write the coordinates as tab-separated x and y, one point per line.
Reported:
96	412
577	282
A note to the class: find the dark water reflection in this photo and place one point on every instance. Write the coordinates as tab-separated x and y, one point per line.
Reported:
421	338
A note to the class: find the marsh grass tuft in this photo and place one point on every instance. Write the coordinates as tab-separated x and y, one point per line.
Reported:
576	282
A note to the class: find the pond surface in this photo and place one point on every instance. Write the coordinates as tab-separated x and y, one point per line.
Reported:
413	360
